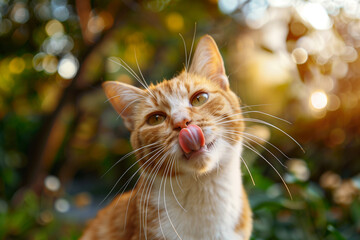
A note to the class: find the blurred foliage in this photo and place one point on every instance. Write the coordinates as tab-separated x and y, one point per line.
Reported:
297	60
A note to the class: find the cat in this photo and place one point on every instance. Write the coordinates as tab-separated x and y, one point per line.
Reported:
187	136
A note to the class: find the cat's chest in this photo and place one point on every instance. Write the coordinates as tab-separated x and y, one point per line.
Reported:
205	209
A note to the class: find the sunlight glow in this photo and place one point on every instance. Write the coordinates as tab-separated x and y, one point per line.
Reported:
318	100
316	15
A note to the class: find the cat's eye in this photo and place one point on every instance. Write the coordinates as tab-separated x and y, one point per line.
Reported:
199	99
156	119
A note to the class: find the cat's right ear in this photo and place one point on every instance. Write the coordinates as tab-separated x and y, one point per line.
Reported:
123	98
208	62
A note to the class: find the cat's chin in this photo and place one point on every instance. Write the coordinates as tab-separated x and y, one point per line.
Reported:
200	161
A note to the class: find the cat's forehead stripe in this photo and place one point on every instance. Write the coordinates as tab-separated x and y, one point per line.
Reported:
169	93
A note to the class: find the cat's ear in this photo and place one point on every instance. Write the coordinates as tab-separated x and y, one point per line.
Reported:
208	62
123	98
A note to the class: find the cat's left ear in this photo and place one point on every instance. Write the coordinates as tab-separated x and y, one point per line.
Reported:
208	62
124	98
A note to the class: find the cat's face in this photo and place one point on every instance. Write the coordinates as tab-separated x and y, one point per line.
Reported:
186	124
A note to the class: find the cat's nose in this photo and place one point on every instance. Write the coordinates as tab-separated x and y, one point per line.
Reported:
181	123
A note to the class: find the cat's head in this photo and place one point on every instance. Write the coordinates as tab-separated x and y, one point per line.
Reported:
184	125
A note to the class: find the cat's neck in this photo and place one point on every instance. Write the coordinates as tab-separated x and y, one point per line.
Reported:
201	206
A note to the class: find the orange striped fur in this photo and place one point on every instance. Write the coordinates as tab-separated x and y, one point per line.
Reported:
179	198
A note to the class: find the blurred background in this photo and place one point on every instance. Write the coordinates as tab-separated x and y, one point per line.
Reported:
297	60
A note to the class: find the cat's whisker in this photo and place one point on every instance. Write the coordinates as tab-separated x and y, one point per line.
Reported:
117	182
164	194
142	194
248	146
151	179
147	86
277	172
253	120
121	62
267	142
128	105
172	189
217	162
147	164
255	105
267	114
263	147
128	154
142	76
253	111
192	45
130	71
158	207
248	170
176	177
213	112
241	158
186	65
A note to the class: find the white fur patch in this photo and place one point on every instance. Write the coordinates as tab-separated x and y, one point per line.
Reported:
212	202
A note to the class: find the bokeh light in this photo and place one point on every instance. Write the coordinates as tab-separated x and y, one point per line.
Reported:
53	27
318	100
315	14
68	67
175	22
228	6
62	205
299	55
52	183
17	65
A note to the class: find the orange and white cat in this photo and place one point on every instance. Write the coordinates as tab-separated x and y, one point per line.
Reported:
187	136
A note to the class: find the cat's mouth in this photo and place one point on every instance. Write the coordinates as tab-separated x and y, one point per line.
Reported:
204	149
192	141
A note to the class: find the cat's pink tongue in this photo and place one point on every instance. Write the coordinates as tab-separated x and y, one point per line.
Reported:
191	138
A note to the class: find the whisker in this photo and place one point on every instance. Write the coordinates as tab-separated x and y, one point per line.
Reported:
192	45
171	186
142	76
248	170
166	211
267	142
119	61
241	158
146	163
162	178
117	182
277	172
130	71
267	114
128	105
176	178
127	155
265	123
186	65
256	105
263	147
260	155
148	188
